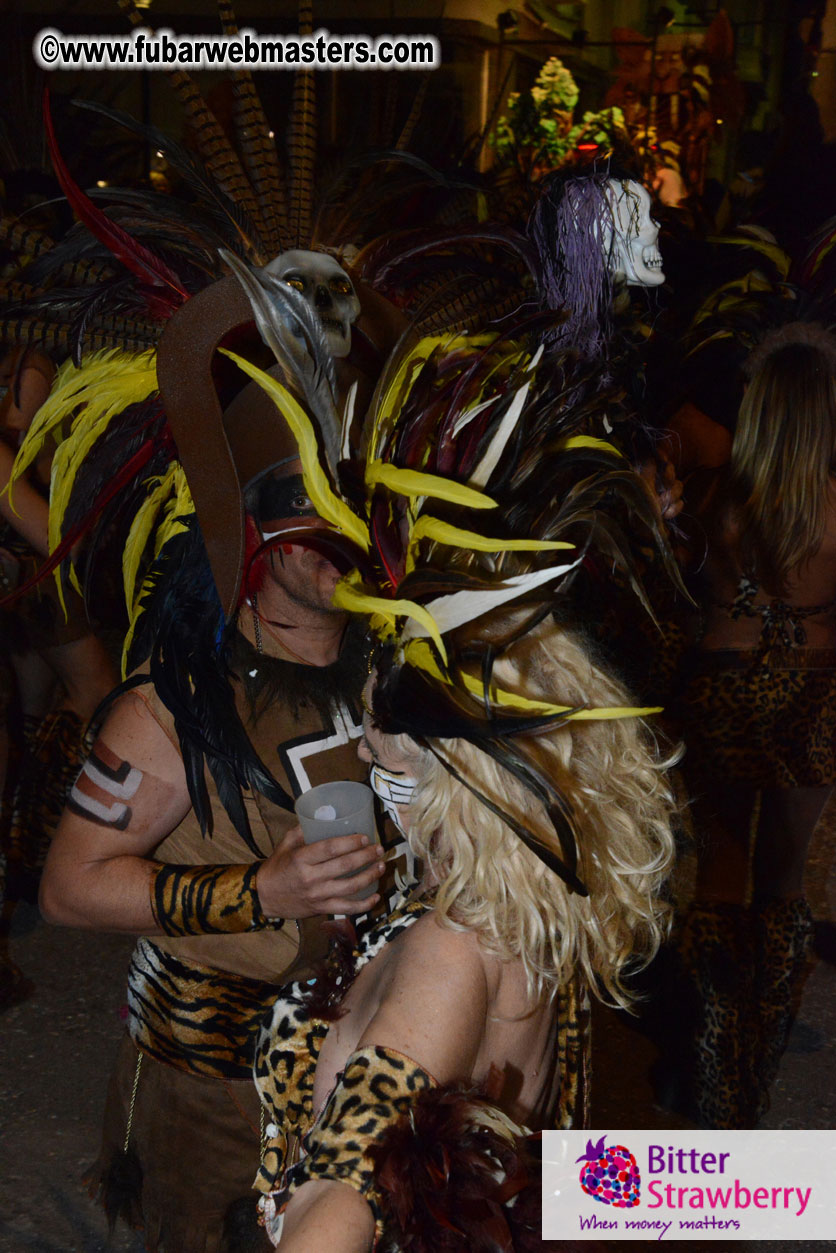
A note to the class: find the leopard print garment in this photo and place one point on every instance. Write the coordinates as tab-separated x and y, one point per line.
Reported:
768	721
54	751
288	1047
377	1088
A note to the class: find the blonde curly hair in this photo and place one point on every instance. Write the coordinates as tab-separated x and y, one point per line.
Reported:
612	774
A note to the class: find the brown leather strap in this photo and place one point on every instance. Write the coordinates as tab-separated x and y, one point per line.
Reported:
185	377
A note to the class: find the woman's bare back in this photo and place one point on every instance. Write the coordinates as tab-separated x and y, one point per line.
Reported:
809	585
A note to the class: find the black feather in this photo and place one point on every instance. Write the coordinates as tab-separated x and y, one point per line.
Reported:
241	1230
120	1189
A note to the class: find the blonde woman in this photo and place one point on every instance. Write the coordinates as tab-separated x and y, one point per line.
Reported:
759	710
479	980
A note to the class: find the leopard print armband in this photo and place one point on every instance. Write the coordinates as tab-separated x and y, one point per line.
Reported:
376	1089
201	900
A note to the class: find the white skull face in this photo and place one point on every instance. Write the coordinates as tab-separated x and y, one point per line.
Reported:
327	289
634	253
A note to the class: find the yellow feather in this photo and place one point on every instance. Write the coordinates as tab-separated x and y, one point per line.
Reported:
176	509
126	644
102	388
416	483
327	504
443	533
589	441
144	519
349	597
419	654
404	376
175	512
108	381
98	392
402	381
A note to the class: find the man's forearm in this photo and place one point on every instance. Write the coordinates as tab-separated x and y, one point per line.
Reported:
203	900
111	894
138	896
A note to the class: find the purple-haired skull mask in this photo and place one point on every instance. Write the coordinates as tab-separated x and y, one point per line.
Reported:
326	287
632	246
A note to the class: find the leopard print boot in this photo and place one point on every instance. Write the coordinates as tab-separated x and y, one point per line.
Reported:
716	954
784	938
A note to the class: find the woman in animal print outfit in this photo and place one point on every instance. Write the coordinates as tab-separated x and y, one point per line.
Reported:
459	1026
758	702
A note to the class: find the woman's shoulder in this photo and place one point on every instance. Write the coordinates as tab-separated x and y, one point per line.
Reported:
434	947
432	937
434	999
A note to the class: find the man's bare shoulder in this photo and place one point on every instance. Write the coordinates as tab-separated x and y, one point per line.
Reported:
137	720
133	733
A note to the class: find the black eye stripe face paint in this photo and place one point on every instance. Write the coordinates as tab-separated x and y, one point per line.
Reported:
283	498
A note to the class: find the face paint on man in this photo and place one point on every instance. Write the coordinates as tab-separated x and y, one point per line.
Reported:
303	575
280	498
112	792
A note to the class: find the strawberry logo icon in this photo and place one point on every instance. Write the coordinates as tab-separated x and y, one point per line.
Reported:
610	1175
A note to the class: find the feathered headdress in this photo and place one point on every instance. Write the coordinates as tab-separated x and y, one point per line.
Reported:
133	295
135	255
475	492
474	477
770	295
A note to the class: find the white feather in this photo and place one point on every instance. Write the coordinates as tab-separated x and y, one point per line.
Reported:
495	448
348	418
468	416
535	360
458	608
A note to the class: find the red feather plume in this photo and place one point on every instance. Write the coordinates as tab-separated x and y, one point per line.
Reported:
445	1181
161	287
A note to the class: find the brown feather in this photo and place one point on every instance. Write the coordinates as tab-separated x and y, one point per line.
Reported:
84	272
302	144
33	331
405	137
214	148
25	241
436	1174
257	149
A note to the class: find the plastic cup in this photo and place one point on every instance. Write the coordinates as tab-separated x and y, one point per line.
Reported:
341	808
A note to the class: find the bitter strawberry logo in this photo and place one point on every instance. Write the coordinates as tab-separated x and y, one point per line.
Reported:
610	1174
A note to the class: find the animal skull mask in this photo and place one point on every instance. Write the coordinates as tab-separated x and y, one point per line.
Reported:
632	248
327	289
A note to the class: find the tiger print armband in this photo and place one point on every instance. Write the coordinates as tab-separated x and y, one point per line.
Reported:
204	900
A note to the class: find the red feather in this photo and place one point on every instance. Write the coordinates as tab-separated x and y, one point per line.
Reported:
386	542
444	1180
153	274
